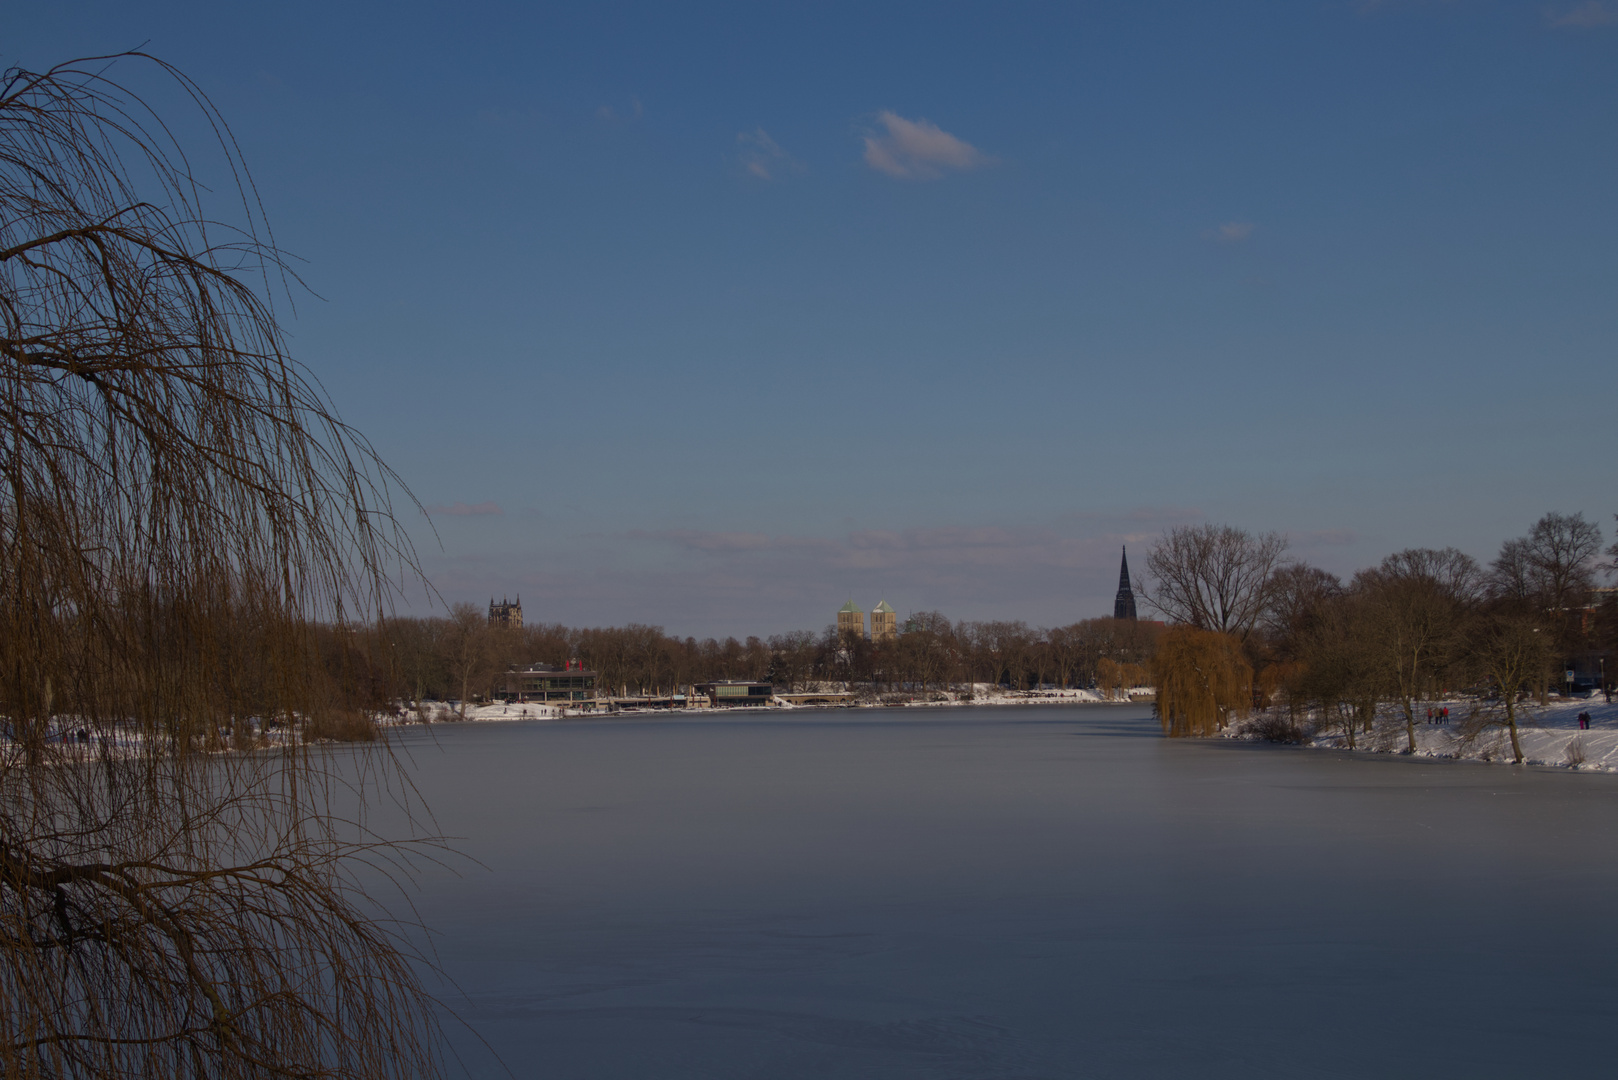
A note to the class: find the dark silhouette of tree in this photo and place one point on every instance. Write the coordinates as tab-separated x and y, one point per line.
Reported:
470	644
1512	651
1299	594
1416	604
1560	552
1214	577
1342	674
178	504
1551	571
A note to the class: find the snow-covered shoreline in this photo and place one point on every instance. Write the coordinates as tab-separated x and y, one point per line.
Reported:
1550	735
982	694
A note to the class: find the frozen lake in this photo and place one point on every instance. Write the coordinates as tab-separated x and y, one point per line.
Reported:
1015	892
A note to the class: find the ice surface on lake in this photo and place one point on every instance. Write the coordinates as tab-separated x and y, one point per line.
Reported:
1014	893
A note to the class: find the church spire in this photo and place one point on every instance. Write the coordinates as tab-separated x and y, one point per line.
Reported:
1124	606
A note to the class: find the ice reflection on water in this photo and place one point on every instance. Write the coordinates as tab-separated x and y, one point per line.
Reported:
1019	893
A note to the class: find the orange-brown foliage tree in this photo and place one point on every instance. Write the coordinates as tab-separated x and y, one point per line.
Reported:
1202	681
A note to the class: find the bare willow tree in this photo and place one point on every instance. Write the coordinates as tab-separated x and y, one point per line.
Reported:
1214	577
1114	679
178	506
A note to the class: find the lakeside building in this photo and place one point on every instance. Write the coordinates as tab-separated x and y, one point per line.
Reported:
1123	605
850	620
736	692
505	614
884	622
574	684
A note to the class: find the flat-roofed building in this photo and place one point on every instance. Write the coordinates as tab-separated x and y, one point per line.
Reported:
736	692
884	622
850	620
572	685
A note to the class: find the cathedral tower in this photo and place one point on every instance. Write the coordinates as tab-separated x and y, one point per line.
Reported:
850	620
884	622
505	613
1124	606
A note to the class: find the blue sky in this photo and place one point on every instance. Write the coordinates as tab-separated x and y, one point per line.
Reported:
734	312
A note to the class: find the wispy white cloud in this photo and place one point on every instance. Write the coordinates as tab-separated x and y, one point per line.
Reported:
460	509
763	157
610	114
1231	232
1586	16
918	149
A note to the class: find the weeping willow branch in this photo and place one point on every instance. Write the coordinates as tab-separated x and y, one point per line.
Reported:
1202	681
179	505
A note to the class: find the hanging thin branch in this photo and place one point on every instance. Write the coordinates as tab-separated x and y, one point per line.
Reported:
179	504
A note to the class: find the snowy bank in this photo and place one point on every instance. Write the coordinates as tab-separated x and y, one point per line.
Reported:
1549	735
981	694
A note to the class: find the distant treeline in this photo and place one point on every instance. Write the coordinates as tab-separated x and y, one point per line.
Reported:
462	656
1247	627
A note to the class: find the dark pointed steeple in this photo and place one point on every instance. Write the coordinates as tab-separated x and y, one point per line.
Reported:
1124	606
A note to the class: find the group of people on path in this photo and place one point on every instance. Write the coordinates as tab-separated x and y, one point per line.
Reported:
1440	715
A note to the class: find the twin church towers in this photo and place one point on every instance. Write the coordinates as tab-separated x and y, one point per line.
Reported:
884	621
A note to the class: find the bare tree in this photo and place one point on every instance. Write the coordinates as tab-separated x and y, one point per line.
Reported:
792	656
1214	577
1062	643
1341	654
756	662
1511	576
1001	650
927	648
1560	551
1512	651
1551	570
1298	595
1416	603
172	485
1449	570
469	649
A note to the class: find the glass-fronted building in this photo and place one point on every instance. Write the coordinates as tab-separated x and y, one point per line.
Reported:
541	682
736	692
